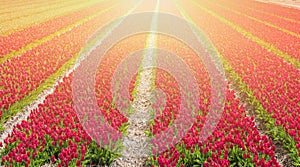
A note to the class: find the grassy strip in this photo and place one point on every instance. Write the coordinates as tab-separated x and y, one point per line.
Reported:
271	48
51	36
277	132
49	82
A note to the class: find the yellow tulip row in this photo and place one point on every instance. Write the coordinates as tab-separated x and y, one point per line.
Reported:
21	10
24	22
5	5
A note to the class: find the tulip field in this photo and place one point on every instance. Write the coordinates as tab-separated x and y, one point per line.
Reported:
247	66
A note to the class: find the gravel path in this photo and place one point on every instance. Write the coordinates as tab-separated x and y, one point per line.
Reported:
137	145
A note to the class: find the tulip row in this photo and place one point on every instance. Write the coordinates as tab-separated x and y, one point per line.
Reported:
104	76
28	10
7	4
14	7
288	42
234	141
24	39
270	83
53	133
10	26
285	23
292	14
164	116
41	66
